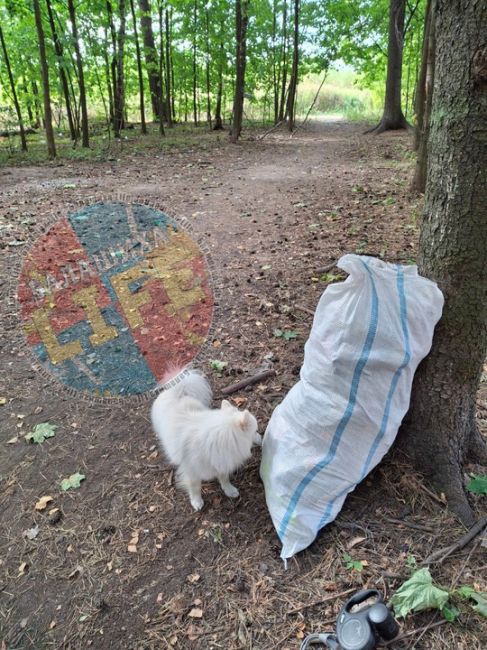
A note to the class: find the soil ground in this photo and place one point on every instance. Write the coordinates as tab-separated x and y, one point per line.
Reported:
274	212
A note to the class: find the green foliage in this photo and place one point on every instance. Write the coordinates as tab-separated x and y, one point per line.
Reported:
478	484
417	594
41	432
287	335
351	564
73	481
218	366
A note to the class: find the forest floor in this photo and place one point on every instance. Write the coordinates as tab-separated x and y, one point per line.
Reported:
274	213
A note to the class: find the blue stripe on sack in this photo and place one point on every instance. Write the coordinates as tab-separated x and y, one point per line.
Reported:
395	379
364	356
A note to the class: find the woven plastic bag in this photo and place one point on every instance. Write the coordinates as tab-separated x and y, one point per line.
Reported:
369	334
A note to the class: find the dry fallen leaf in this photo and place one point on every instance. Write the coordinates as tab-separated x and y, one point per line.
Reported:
52	625
353	542
193	577
31	533
240	401
12	441
23	568
152	508
134	540
153	456
43	501
132	548
196	612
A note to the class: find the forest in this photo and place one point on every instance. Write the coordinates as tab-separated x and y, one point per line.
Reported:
81	69
243	325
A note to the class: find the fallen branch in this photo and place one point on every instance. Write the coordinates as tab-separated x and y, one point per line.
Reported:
408	524
321	601
312	104
439	556
248	381
305	309
326	268
417	631
270	130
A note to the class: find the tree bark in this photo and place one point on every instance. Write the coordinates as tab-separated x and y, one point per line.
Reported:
139	69
241	23
164	106
119	98
168	76
51	146
293	83
14	92
195	69
440	431
218	126
58	48
151	59
393	117
425	96
283	63
208	96
81	78
421	83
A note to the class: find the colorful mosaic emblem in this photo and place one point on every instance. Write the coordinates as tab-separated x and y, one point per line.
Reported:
113	297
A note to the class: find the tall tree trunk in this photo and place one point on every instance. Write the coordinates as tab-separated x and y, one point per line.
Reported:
139	69
241	23
81	78
393	117
218	126
51	146
113	58
108	76
208	97
37	106
424	114
195	69
439	432
173	85
58	48
168	69
293	83
119	98
284	48
275	72
14	92
28	105
163	105
151	58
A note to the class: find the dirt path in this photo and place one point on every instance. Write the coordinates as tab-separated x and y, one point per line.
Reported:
273	213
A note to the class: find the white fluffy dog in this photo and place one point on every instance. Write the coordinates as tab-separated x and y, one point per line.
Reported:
203	443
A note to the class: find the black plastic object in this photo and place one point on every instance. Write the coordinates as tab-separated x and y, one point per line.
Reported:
359	629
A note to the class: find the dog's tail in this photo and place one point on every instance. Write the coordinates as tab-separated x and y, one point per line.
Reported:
190	383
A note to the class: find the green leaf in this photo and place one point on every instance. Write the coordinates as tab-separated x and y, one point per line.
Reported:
389	201
450	612
481	599
218	365
290	334
478	484
351	564
41	432
418	593
74	481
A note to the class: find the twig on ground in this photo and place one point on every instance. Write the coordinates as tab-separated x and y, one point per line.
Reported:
248	381
327	268
434	496
439	556
305	309
320	601
270	130
421	630
409	524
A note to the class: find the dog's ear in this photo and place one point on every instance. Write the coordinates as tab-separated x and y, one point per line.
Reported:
226	404
243	420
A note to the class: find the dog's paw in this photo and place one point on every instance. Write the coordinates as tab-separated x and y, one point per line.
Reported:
197	503
231	491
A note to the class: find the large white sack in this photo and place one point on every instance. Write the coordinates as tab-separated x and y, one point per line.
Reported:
369	334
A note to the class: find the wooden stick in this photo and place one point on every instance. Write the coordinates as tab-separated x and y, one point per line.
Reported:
305	309
248	381
270	130
409	524
419	629
327	268
321	601
438	556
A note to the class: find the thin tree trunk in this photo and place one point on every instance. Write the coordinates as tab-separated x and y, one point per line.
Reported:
241	23
421	85
218	126
51	146
275	77
120	85
113	59
37	106
420	172
162	65
173	85
291	96
151	60
284	47
440	432
208	99
168	69
393	117
58	48
195	70
81	78
139	69
14	92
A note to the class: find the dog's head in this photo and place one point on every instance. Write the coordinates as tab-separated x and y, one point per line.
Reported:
243	421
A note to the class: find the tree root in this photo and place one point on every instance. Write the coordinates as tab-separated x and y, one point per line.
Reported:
477	447
389	125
